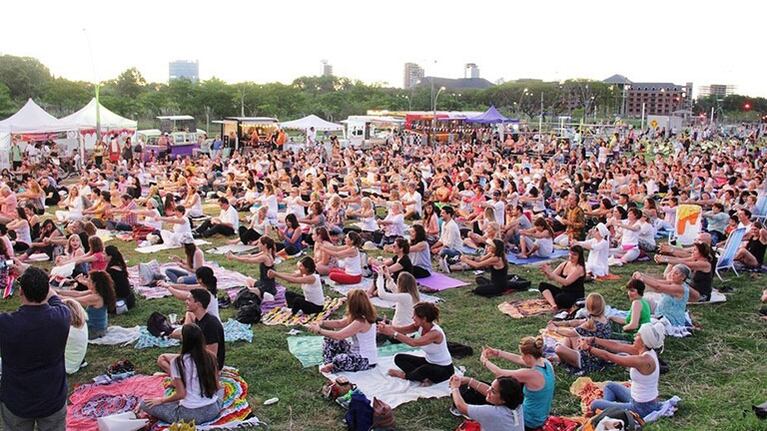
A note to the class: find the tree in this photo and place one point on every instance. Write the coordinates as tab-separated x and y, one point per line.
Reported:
130	83
25	77
7	107
62	96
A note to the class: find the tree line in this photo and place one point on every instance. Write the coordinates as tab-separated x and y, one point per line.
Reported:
333	98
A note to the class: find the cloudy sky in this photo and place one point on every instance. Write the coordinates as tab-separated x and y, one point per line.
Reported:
264	41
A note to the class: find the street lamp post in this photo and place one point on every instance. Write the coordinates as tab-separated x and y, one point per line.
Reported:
540	117
434	113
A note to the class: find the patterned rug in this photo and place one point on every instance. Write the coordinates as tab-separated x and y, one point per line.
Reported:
281	316
525	308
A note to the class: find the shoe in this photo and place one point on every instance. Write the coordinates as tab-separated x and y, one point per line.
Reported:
454	411
444	265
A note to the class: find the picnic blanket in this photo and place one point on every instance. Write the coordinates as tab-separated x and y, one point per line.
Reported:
525	308
235	410
588	390
281	316
147	340
380	302
149	249
375	382
234	248
236	331
91	401
717	297
536	260
233	331
308	349
437	282
226	279
117	335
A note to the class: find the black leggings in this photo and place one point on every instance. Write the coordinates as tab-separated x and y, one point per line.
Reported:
291	250
419	272
417	369
248	235
486	288
563	298
297	302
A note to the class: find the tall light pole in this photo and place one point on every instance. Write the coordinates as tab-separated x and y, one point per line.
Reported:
434	113
98	104
540	118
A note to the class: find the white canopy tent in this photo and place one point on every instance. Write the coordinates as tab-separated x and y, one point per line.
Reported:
85	119
309	121
30	117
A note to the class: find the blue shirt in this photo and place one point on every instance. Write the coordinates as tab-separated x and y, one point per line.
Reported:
537	404
32	344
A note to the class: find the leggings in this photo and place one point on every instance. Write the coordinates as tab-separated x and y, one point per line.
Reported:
248	235
419	272
618	396
417	369
176	275
564	298
339	353
298	303
486	288
341	277
174	412
291	250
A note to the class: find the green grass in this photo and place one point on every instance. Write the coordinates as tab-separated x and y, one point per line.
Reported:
719	372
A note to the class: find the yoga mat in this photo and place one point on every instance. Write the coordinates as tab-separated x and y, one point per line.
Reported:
437	282
532	260
160	247
717	297
234	248
279	316
375	382
308	349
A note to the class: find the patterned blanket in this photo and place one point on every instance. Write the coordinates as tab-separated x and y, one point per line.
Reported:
525	308
281	316
226	279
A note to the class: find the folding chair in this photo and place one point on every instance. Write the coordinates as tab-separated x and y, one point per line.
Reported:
727	258
760	210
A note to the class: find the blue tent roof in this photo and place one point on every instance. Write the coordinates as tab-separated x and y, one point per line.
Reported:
490	116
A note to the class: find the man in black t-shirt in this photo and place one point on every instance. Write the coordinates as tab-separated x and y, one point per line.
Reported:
196	305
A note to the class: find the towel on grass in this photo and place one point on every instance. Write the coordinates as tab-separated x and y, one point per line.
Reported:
234	248
235	410
146	340
525	308
281	316
717	297
437	282
236	331
376	383
308	349
149	249
380	302
117	335
91	401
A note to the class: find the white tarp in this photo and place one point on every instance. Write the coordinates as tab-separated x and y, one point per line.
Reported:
30	117
305	123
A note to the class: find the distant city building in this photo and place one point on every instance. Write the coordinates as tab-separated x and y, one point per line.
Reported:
471	71
718	90
658	98
327	68
413	74
184	69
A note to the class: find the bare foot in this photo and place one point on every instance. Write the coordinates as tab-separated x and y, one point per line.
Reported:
397	373
327	368
233	241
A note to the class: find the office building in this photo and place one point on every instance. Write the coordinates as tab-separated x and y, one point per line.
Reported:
413	74
184	69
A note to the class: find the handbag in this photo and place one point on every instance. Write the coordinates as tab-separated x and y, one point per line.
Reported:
333	389
383	415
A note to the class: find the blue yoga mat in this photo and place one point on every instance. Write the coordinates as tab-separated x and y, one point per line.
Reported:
514	260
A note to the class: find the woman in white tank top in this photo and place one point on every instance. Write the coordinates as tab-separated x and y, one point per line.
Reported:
641	360
358	325
349	260
313	299
436	365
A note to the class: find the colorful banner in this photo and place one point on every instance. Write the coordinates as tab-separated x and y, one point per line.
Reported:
687	225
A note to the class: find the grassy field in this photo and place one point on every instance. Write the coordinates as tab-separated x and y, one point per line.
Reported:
718	373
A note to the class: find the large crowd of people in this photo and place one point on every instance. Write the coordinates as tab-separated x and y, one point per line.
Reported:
463	206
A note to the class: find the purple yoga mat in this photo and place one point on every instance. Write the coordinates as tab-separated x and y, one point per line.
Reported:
437	282
266	306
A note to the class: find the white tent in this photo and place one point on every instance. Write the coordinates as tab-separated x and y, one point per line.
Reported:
30	117
85	118
305	123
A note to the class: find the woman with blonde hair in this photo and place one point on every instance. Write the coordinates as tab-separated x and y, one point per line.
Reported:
358	324
537	376
74	205
595	325
77	341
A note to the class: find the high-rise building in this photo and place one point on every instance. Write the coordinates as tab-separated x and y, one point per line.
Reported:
327	68
718	90
184	69
413	74
470	70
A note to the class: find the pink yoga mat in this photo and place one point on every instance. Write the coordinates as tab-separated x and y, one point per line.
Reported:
437	282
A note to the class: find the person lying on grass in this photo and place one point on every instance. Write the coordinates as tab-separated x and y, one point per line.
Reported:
437	364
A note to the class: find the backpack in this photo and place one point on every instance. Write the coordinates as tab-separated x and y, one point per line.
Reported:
158	325
249	313
518	283
359	417
458	350
631	421
245	297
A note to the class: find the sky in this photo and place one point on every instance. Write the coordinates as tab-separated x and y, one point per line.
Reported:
704	42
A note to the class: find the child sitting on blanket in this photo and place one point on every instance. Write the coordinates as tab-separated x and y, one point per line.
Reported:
358	325
596	325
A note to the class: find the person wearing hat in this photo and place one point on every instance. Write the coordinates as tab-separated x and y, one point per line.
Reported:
674	293
599	251
641	359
